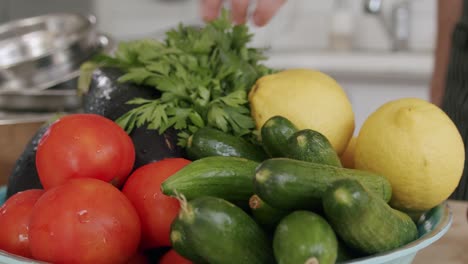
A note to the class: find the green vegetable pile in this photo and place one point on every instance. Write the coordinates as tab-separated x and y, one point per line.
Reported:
204	75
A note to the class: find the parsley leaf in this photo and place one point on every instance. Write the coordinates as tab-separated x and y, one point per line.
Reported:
204	76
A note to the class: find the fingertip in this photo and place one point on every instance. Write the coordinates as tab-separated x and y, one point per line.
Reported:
210	9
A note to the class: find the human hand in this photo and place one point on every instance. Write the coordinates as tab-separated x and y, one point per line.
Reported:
263	13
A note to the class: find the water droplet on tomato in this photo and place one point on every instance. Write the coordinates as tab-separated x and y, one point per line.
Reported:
83	216
3	210
23	237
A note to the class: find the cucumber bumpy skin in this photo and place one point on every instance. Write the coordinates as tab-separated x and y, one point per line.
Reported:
364	221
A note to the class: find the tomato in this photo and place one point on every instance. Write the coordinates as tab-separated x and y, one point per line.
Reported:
84	146
172	257
14	222
156	210
85	220
138	258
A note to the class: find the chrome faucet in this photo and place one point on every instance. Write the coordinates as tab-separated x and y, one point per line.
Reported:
398	29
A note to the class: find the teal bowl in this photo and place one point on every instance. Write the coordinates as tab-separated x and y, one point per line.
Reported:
432	226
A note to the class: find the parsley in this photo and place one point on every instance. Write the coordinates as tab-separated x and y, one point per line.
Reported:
204	75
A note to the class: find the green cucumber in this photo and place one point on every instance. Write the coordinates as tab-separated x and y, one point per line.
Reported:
366	222
230	178
344	252
293	184
310	145
208	142
275	133
264	214
304	237
181	242
220	232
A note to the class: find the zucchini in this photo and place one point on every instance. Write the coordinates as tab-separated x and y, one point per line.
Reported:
182	244
304	237
366	222
310	145
208	142
275	133
230	178
292	184
220	232
265	215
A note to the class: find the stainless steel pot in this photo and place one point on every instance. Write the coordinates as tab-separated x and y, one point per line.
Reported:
40	52
61	97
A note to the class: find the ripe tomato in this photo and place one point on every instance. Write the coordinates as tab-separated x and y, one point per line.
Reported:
84	220
14	221
138	258
172	257
84	146
156	210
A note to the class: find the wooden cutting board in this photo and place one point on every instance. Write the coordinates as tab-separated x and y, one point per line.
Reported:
452	248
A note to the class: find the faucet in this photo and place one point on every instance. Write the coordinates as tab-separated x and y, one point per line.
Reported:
398	30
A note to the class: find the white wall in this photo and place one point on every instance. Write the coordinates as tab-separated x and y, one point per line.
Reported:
301	24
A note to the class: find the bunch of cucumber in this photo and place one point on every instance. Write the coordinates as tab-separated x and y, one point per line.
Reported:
287	201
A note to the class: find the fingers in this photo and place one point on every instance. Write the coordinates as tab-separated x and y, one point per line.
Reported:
239	10
210	9
265	10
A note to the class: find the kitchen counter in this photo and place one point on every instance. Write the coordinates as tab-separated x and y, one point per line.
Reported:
452	247
391	66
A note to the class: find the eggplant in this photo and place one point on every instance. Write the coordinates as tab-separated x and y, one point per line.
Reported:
24	174
107	97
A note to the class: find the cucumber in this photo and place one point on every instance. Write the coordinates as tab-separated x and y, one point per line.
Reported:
230	178
293	184
310	145
220	232
344	252
208	142
275	133
304	237
265	215
366	222
182	244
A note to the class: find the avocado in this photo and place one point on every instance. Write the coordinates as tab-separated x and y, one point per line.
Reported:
107	97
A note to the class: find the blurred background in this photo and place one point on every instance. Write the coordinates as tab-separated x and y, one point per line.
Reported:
378	50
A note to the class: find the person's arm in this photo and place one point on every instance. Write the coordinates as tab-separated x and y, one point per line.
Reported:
263	13
448	15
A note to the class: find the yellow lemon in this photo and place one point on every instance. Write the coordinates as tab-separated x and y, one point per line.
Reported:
347	158
309	99
417	147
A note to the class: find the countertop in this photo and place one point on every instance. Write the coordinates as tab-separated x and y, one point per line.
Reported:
409	66
452	248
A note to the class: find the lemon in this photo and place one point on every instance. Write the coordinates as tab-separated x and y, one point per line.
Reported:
347	158
309	99
417	147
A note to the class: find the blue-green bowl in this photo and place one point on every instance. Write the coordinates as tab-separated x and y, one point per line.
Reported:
432	226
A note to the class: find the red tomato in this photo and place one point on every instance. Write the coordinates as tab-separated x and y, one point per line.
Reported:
84	146
156	210
172	257
138	258
14	221
84	221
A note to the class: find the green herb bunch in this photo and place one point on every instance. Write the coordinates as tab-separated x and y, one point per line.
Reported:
204	75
